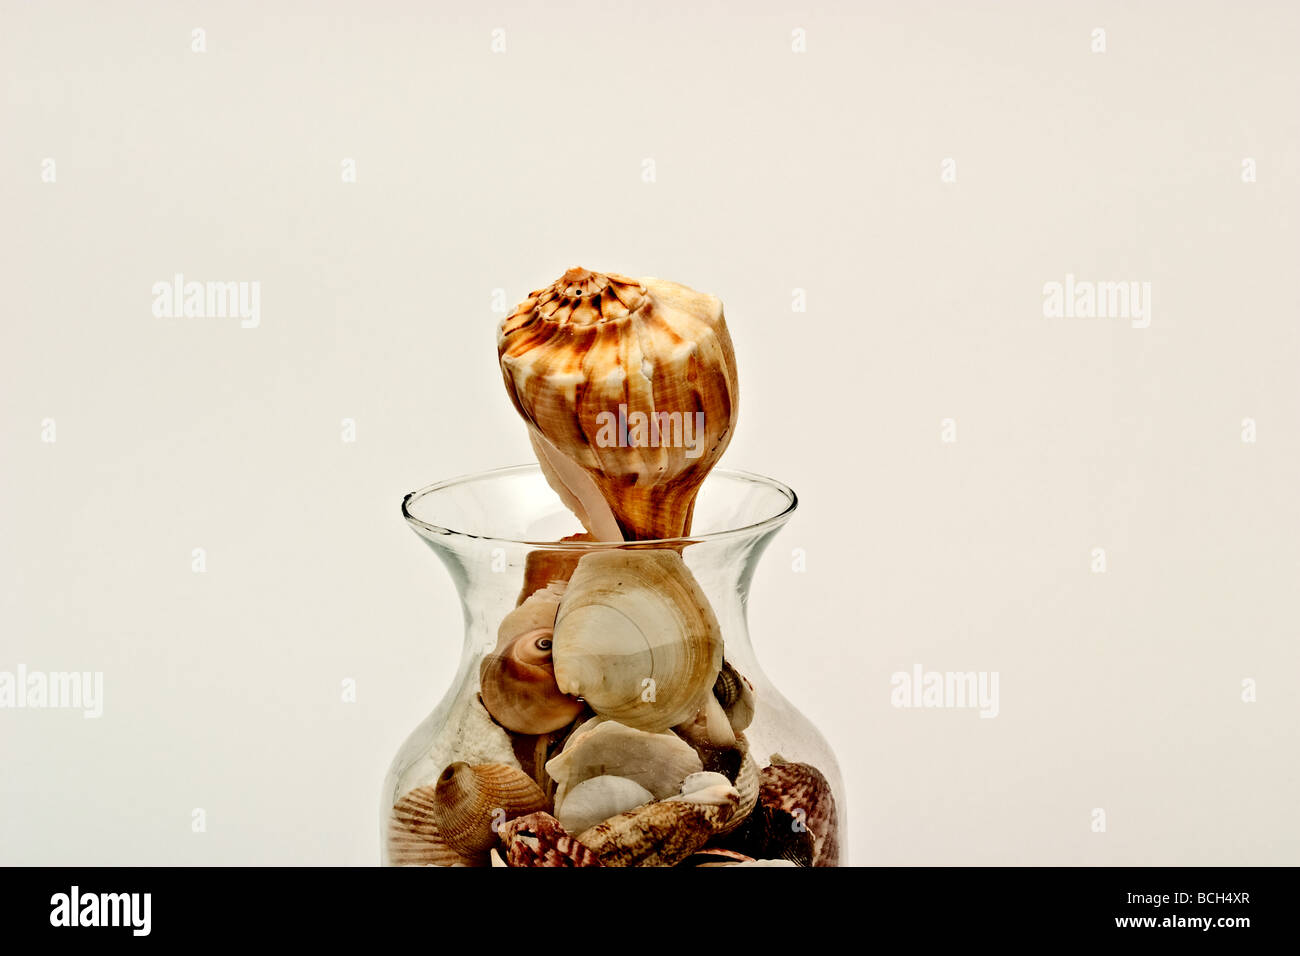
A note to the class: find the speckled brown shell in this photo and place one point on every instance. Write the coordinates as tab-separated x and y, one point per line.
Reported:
539	840
786	787
574	351
658	834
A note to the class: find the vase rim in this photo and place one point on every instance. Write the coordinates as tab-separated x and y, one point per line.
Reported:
755	527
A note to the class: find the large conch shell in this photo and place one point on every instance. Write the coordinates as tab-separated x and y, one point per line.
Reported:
629	390
635	637
517	680
455	821
657	762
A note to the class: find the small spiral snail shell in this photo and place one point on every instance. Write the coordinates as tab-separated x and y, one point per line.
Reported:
517	680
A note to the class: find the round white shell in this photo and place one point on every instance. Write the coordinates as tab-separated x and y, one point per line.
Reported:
596	800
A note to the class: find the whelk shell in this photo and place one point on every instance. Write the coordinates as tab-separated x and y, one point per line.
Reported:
539	840
657	761
629	390
635	637
517	680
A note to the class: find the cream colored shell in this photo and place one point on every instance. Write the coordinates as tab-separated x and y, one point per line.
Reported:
598	799
659	762
635	637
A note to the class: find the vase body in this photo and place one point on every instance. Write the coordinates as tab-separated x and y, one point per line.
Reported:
477	782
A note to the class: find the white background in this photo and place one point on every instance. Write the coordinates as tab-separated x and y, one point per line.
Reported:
775	170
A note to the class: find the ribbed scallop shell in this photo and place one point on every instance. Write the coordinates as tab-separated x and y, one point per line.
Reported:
517	680
539	840
574	352
635	637
469	802
800	790
747	786
413	835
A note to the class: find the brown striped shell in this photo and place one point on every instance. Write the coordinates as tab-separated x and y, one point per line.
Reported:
591	345
539	840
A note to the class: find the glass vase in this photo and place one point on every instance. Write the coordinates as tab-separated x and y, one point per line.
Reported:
640	767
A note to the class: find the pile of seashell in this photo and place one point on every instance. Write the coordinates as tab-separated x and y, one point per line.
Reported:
625	719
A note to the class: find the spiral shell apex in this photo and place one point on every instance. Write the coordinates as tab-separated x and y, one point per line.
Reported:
517	680
592	349
635	637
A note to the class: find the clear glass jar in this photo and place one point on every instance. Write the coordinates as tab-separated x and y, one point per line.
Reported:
507	758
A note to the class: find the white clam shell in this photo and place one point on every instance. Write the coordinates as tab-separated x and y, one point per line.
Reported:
659	762
708	789
599	798
635	637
